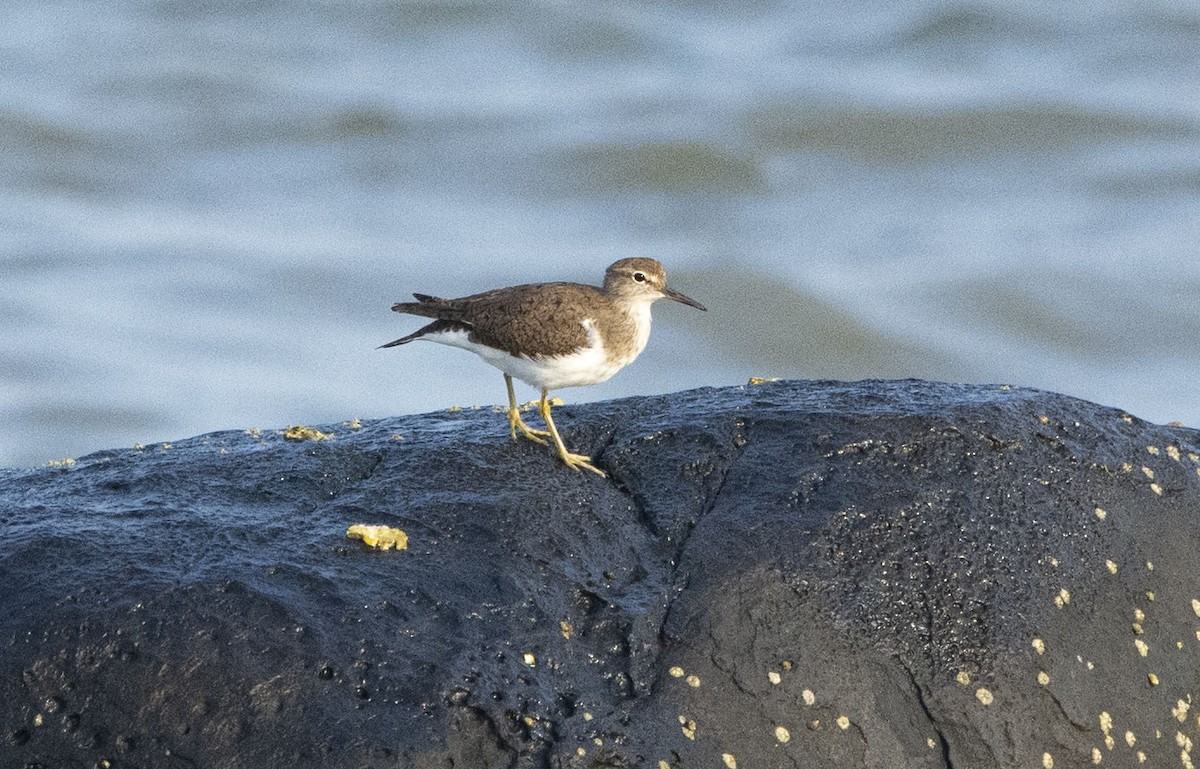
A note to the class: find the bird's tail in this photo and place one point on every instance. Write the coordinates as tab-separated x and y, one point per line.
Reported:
428	307
436	327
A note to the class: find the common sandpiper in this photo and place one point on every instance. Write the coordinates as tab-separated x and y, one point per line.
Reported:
551	335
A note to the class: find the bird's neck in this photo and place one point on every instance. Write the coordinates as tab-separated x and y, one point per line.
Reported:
629	333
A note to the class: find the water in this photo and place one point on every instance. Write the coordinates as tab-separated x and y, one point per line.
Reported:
206	208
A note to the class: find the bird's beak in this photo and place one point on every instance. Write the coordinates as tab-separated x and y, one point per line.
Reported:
671	293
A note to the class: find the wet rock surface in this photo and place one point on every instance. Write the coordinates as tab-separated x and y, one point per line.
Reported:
810	574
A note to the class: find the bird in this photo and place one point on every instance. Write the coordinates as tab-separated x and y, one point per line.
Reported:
551	335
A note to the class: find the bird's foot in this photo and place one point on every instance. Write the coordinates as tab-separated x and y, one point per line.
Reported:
515	423
580	462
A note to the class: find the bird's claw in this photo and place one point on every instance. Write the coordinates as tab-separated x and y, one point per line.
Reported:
515	423
578	461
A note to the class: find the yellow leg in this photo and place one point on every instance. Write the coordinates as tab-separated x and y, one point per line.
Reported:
516	423
574	461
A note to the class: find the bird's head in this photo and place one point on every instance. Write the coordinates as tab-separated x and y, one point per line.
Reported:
642	279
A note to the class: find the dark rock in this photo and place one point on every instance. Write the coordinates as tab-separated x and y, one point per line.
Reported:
878	574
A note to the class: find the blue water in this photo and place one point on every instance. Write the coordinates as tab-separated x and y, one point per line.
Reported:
206	208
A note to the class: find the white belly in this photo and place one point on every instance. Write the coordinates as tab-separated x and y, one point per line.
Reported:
586	366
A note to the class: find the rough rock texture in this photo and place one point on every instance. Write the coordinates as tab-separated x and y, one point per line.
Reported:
873	574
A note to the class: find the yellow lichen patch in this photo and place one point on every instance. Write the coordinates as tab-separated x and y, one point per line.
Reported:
1153	679
529	659
1043	419
1156	489
353	424
773	677
1149	565
581	753
1146	471
1130	739
1196	607
1126	467
932	745
1039	646
1150	595
693	681
1137	629
782	734
1101	513
808	696
1139	615
454	409
1183	741
1152	450
1142	648
843	722
963	677
1141	757
1097	756
1043	677
1047	761
1185	758
786	664
566	628
1063	598
676	672
1112	567
305	433
729	760
984	696
1173	452
67	462
663	765
757	380
688	727
1106	724
381	537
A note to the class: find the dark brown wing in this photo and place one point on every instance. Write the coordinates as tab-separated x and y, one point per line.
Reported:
545	317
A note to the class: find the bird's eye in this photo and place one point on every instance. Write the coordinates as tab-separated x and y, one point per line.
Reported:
640	277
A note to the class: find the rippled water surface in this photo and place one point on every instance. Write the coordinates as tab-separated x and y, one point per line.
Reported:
206	208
